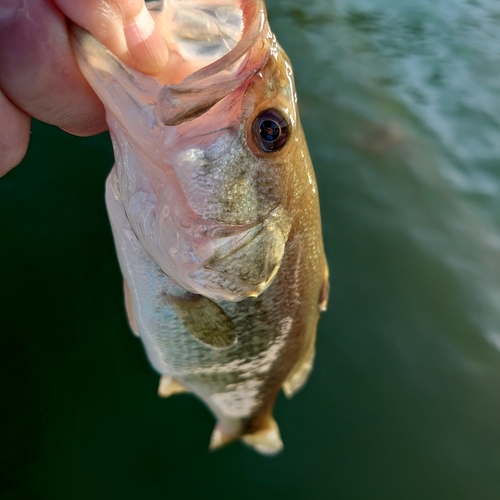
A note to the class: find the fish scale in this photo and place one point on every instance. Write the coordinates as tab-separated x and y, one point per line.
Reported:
218	237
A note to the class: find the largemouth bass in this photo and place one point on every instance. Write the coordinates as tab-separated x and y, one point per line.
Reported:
214	209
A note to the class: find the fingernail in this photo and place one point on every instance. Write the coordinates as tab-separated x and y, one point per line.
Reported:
146	46
140	28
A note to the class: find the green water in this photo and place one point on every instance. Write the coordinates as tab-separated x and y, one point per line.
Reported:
400	101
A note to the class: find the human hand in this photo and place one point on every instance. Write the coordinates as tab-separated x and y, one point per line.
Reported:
39	76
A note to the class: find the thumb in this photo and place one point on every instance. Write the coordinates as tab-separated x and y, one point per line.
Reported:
125	27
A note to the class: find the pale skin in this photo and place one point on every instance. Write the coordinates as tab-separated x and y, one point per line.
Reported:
39	76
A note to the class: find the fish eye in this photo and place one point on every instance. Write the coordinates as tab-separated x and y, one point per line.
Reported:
270	130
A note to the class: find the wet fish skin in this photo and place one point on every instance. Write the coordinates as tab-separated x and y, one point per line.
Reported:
261	340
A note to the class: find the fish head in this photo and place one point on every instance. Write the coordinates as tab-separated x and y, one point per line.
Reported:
207	167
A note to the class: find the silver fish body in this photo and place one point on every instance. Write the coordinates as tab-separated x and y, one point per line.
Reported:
219	240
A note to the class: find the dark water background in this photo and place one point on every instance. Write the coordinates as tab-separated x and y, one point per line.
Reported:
400	101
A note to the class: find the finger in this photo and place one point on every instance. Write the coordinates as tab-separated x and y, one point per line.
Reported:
38	70
125	27
14	135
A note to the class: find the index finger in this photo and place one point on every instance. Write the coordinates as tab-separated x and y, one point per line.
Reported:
39	73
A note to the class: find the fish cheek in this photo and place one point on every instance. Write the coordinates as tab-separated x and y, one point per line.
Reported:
272	183
220	181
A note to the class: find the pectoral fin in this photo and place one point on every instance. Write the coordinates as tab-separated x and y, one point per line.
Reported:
204	319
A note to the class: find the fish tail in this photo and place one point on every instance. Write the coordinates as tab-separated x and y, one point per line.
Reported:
265	440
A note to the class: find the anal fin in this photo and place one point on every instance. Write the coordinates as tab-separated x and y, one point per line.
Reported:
169	386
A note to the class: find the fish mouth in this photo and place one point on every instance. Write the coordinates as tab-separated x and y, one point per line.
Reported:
199	92
244	265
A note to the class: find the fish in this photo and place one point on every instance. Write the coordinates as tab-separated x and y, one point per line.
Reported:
214	210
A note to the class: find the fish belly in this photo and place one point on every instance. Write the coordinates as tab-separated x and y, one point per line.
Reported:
239	383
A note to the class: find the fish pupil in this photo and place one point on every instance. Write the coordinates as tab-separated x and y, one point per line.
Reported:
270	130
